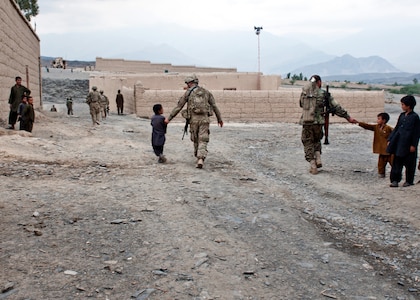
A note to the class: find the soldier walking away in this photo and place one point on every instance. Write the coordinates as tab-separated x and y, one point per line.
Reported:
16	93
200	106
69	104
93	100
120	102
313	101
104	104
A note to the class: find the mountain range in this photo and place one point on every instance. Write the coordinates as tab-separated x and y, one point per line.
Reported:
231	49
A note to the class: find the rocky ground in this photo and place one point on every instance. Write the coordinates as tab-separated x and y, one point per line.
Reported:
87	212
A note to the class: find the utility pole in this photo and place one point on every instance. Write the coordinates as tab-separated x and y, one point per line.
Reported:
257	32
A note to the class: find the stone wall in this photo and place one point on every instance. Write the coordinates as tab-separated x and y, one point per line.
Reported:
273	104
264	106
110	83
19	55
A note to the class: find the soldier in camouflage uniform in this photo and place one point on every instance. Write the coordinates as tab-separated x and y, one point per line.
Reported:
104	104
312	101
93	99
200	106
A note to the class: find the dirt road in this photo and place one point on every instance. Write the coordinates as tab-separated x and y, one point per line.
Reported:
89	213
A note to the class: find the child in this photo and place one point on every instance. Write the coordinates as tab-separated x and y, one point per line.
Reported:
28	115
20	110
403	142
158	132
380	140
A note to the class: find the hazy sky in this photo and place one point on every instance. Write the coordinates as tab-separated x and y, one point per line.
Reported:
317	22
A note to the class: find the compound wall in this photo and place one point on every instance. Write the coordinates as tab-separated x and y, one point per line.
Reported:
273	104
19	55
110	83
280	105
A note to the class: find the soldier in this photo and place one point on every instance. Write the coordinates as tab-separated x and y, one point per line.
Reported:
69	104
200	106
93	99
104	104
16	93
312	101
120	102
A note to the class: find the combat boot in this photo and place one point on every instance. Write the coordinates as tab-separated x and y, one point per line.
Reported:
313	170
318	159
200	163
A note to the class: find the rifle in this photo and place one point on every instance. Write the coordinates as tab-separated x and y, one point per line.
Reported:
327	114
187	121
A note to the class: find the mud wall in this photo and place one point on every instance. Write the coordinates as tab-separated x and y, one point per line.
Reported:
19	55
110	83
264	106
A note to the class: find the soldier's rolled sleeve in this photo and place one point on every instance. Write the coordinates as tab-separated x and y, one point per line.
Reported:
177	109
338	110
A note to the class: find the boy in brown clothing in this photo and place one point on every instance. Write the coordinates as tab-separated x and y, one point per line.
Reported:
380	140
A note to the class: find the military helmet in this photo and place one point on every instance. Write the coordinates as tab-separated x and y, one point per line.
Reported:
101	91
191	78
94	88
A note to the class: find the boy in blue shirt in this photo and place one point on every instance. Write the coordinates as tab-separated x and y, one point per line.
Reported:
158	132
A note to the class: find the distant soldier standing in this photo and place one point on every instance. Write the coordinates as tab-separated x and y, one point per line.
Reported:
104	104
93	99
200	106
69	104
120	102
15	98
313	101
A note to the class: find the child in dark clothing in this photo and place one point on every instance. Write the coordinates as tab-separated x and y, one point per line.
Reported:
158	132
403	142
20	111
28	115
380	140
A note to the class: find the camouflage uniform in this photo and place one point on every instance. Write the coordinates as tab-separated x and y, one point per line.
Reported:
199	119
93	99
69	104
313	119
104	104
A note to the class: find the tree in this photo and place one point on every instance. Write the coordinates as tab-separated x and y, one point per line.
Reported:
415	81
29	8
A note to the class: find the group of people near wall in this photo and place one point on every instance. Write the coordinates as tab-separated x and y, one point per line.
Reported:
99	104
397	146
21	107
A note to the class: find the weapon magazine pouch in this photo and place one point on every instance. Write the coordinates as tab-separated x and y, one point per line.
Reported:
308	115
